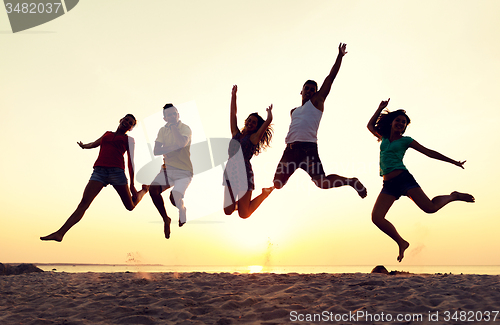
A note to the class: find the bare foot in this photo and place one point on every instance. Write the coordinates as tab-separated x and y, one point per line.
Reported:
145	188
360	188
402	248
54	236
463	197
166	228
267	191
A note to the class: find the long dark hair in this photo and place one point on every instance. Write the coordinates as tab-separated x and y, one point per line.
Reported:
265	141
384	122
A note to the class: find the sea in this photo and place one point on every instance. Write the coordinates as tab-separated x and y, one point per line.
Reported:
279	269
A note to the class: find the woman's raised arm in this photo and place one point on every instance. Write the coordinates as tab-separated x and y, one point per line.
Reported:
232	114
373	120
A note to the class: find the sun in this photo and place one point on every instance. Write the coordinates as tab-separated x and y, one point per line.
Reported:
255	268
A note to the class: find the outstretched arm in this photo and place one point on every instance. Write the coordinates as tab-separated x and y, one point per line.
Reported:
90	145
255	138
373	120
232	114
323	92
434	154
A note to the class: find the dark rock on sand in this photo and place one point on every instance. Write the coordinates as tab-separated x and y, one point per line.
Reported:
6	269
380	269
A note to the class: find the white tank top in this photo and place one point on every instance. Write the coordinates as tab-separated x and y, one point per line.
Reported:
305	124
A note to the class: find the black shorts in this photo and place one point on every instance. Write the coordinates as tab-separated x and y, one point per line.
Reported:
399	185
302	155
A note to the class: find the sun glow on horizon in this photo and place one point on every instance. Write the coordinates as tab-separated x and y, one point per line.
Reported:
255	268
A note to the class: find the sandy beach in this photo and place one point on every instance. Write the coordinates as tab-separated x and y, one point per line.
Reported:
225	298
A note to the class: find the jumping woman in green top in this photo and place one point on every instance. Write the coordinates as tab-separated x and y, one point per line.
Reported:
389	128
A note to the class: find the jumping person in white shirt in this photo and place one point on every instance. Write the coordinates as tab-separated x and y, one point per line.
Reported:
301	141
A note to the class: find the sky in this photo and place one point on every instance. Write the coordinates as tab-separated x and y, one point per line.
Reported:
73	78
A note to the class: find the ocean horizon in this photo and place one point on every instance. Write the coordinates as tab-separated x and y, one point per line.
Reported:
280	269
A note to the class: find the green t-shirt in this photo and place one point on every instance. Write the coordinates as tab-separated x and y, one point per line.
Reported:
392	153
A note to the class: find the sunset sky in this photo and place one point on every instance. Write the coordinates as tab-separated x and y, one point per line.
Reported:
73	78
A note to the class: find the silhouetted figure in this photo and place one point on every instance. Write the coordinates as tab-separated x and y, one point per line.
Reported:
109	168
301	141
173	142
389	129
238	174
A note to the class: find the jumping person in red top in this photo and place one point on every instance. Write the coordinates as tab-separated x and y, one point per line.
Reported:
109	168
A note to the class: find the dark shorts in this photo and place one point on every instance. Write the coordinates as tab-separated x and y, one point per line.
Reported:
109	175
400	184
302	155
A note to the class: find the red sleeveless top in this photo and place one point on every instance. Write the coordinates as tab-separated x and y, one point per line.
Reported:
113	147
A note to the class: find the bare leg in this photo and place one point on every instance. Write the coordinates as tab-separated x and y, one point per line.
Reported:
283	172
246	206
140	194
382	205
229	202
155	193
430	206
126	197
334	180
179	203
91	190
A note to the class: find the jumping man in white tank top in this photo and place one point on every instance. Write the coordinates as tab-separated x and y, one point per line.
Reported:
301	141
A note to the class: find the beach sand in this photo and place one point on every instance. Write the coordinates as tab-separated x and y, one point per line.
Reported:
225	298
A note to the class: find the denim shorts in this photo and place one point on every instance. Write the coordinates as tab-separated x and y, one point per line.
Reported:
109	175
400	184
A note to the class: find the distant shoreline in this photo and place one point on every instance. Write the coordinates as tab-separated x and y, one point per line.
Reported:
94	264
279	269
